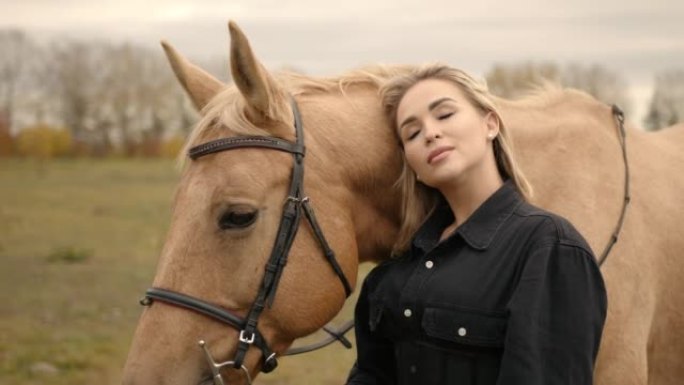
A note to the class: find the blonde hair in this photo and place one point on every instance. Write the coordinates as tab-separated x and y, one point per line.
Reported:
420	200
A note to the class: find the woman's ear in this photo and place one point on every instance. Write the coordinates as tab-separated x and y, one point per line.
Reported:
492	121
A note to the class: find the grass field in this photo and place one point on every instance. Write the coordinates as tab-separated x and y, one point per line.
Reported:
79	241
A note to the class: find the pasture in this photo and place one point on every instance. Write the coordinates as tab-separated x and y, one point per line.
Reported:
79	241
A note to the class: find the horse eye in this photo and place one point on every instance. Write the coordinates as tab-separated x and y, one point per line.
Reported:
237	219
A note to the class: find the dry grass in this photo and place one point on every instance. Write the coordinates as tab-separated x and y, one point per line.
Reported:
79	241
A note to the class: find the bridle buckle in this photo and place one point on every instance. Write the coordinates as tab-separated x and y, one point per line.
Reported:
248	340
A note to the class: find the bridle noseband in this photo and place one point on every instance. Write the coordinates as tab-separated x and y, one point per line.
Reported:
295	205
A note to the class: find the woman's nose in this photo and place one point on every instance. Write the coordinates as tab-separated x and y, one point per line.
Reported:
432	132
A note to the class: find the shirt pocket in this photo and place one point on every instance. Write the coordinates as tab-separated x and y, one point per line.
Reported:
465	326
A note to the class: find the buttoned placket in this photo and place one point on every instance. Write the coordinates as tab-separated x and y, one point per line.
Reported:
409	299
426	265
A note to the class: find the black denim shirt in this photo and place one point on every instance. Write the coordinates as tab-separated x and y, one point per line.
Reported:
513	296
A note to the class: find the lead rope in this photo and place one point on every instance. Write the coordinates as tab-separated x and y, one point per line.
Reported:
620	118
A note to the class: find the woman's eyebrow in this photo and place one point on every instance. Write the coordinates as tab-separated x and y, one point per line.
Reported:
439	101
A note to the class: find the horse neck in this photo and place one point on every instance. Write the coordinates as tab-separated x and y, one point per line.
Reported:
568	146
353	150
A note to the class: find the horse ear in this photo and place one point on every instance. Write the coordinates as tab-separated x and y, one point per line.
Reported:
200	85
256	85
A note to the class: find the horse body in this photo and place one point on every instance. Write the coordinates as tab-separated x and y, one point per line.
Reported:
567	144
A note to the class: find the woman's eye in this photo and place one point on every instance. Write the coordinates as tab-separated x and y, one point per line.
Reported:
445	116
236	219
413	134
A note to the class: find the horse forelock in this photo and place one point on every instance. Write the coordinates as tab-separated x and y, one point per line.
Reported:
224	116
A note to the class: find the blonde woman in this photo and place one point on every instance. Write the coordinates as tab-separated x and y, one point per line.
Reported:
484	288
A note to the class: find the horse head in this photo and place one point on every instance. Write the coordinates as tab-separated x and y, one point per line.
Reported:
228	209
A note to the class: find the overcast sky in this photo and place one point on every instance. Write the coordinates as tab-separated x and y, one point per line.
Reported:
636	38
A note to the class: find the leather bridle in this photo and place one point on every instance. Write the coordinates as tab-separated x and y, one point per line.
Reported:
295	205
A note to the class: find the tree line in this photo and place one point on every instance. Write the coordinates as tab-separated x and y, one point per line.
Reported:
72	97
88	98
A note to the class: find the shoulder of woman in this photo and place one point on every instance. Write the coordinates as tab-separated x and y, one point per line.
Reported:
379	270
551	229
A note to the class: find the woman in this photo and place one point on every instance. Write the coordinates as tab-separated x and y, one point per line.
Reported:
484	288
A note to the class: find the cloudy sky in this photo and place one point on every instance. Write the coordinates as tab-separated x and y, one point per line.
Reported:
636	38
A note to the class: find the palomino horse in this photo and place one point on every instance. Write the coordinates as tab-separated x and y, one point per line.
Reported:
229	204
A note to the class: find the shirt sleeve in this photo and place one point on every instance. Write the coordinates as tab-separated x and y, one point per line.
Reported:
375	362
556	316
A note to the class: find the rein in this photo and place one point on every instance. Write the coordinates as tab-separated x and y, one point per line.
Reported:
620	119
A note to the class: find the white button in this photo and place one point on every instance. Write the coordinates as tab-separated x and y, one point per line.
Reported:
462	332
407	313
429	264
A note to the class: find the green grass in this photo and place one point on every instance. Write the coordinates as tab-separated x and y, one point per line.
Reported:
79	241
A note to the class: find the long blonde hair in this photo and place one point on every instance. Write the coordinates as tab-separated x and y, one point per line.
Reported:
420	200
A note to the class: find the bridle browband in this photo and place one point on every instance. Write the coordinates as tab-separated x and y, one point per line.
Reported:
295	205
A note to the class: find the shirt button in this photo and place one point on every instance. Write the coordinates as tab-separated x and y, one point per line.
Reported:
407	313
429	264
462	332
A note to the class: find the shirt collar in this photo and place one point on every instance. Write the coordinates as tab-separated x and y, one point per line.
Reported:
479	229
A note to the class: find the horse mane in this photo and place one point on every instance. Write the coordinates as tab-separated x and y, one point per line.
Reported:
538	96
227	109
547	93
371	76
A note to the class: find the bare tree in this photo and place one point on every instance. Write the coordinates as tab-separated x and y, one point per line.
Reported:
140	93
74	68
15	63
667	103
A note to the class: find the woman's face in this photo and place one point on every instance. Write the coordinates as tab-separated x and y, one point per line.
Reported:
446	139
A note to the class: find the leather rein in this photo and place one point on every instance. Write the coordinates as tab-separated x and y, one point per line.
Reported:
620	120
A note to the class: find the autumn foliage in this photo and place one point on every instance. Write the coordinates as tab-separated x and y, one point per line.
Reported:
44	142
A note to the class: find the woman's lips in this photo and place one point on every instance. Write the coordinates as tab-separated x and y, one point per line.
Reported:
438	154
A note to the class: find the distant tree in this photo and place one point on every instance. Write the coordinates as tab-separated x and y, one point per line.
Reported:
667	103
514	80
141	95
188	114
43	142
107	93
108	96
74	67
6	139
16	54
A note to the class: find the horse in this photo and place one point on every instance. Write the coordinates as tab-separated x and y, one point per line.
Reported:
228	207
